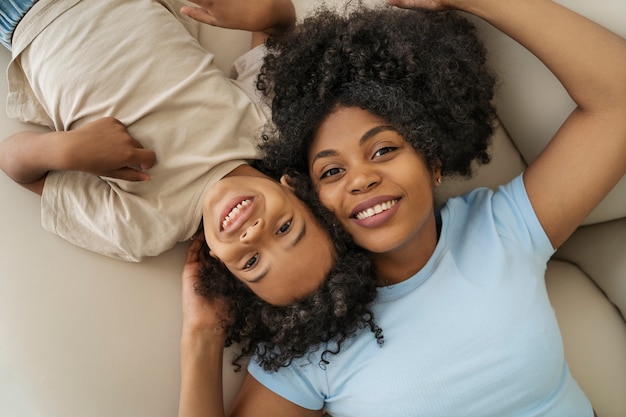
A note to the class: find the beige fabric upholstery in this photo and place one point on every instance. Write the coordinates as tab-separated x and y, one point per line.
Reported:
84	335
594	336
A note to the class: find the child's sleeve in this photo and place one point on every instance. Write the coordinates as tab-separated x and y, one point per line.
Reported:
97	215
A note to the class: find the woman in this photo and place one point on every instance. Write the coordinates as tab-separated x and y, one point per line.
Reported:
468	327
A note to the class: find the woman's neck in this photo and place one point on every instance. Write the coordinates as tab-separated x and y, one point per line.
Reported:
405	261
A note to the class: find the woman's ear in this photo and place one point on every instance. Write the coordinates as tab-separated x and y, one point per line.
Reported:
285	180
437	172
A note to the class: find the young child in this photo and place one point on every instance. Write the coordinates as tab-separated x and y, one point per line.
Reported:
200	125
89	70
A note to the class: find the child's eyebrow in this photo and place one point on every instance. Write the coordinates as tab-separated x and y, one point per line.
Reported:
292	245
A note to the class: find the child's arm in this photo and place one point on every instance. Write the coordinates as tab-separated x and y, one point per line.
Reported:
261	17
587	156
102	147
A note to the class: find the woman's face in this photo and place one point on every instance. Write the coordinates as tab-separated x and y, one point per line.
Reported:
376	184
266	237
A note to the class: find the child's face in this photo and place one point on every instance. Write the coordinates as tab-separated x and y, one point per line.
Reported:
266	237
377	185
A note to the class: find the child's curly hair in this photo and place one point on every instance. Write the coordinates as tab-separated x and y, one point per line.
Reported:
422	71
278	334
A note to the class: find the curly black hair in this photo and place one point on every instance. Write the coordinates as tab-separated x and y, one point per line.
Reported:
424	72
336	311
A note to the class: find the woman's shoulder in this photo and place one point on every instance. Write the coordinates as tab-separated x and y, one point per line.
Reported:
505	214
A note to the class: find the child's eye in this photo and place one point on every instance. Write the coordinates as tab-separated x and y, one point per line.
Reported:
330	172
385	150
252	261
284	228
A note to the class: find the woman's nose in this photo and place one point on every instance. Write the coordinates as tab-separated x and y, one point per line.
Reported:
252	232
362	180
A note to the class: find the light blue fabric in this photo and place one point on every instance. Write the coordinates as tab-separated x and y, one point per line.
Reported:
11	12
471	334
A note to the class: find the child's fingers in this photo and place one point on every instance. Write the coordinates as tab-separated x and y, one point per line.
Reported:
199	14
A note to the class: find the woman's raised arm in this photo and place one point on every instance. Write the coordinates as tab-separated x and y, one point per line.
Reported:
587	156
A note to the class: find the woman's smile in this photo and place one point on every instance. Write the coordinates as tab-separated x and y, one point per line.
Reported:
379	187
375	211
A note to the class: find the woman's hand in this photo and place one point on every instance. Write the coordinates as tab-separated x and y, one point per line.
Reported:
200	315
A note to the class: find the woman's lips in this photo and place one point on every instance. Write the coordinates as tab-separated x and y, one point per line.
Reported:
374	206
375	211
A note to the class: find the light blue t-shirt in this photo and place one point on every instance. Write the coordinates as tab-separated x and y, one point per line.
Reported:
11	12
471	334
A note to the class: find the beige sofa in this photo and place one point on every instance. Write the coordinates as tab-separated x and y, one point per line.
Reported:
84	335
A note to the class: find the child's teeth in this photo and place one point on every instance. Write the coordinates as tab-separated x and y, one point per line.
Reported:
233	213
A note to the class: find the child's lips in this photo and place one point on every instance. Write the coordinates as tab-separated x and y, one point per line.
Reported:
236	211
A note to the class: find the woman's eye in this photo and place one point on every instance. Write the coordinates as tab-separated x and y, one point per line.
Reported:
251	261
330	172
385	150
284	228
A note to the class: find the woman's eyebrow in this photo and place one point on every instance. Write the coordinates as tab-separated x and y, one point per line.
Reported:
366	136
373	132
323	154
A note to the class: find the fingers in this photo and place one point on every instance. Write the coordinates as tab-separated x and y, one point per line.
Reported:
191	268
194	248
107	123
128	174
199	14
145	158
140	160
105	148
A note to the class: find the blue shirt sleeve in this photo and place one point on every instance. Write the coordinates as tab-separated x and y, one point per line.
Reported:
517	216
291	384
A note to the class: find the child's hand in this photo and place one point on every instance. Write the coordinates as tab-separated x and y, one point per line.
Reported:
105	148
270	16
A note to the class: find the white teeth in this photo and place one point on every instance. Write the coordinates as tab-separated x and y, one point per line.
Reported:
377	209
233	213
